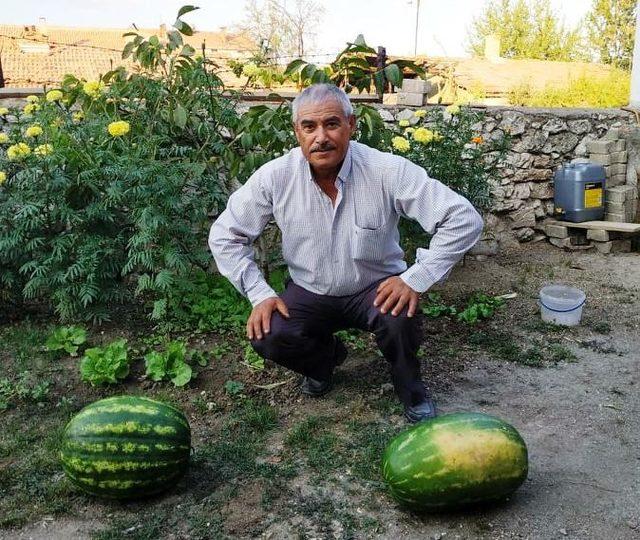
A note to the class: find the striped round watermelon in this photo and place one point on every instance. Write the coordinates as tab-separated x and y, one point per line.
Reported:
455	460
126	447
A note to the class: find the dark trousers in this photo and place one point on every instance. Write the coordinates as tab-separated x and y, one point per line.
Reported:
304	342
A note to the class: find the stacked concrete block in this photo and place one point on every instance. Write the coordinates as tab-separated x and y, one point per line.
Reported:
414	92
612	154
564	237
621	203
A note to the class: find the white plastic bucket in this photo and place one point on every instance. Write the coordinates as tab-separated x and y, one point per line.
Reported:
561	304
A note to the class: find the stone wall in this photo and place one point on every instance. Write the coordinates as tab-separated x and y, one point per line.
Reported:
541	141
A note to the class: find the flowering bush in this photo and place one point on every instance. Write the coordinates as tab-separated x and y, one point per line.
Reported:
445	143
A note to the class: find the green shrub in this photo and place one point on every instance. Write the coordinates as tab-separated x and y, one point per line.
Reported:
583	91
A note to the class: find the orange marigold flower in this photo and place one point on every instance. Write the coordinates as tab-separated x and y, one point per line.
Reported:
477	140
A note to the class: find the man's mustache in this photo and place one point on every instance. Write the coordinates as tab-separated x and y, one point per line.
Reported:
323	148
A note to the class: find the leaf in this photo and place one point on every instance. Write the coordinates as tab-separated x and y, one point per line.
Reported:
180	116
181	374
183	27
393	74
186	9
294	67
156	366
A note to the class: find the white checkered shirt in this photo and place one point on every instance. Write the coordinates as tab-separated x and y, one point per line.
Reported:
341	250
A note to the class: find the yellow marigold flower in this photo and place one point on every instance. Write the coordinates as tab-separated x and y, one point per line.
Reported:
78	116
403	123
477	140
3	177
30	108
18	151
437	137
33	131
453	109
43	150
56	123
423	135
409	130
4	138
93	89
54	95
119	128
32	99
420	113
3	111
401	144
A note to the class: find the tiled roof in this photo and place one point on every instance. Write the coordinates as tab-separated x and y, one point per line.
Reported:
34	56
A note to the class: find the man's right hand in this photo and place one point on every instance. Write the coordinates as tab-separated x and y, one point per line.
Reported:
259	322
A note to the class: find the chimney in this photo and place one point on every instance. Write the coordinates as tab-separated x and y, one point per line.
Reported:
492	47
42	26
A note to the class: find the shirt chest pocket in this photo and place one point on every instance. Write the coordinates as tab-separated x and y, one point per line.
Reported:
368	244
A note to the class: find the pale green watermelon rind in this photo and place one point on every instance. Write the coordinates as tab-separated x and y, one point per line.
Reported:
126	447
417	476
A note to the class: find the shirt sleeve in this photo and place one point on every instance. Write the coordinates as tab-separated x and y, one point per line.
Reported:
231	237
454	223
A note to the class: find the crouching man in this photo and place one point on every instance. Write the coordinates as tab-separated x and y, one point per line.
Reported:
338	203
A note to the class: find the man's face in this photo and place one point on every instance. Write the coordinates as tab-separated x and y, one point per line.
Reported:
323	131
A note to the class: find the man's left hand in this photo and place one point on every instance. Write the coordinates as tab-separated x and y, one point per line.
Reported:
394	294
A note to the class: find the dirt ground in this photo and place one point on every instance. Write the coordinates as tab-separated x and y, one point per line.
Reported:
578	413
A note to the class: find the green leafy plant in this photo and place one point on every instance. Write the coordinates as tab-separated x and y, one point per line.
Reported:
23	389
252	358
169	365
234	388
105	365
435	307
357	66
66	338
480	306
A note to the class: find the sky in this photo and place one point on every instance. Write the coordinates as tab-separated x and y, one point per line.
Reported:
442	24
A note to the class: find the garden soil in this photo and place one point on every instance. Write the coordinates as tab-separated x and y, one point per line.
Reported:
579	415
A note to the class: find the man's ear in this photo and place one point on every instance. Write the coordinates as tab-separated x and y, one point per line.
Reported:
352	123
295	132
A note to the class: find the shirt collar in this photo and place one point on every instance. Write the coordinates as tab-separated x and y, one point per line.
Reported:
343	173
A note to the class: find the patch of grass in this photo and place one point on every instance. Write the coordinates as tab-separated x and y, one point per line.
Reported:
504	346
602	327
560	353
366	446
31	480
313	441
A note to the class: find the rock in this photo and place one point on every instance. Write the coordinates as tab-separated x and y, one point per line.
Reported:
523	217
522	191
561	143
541	190
581	149
531	141
487	247
542	161
554	125
386	115
579	126
406	114
524	235
513	123
533	175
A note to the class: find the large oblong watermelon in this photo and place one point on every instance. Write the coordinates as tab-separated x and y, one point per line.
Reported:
455	460
126	447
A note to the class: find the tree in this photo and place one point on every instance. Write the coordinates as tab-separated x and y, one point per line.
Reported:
526	30
611	27
281	31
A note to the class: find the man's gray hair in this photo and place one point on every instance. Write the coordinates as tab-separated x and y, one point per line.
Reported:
320	93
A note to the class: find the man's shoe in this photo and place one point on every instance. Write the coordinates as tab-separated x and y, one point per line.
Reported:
420	412
315	388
